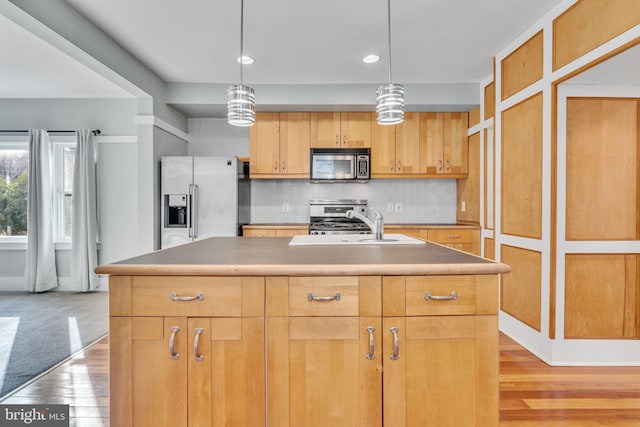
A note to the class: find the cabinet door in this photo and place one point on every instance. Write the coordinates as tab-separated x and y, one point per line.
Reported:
408	144
325	130
226	372
445	373
318	373
159	371
455	143
355	129
431	134
295	140
264	137
383	149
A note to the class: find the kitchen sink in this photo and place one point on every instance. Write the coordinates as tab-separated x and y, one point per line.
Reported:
352	239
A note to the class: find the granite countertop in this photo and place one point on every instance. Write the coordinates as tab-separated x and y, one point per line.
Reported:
241	256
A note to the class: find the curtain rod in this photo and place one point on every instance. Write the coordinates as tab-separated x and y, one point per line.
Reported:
95	131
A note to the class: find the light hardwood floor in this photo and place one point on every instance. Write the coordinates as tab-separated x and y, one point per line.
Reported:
531	392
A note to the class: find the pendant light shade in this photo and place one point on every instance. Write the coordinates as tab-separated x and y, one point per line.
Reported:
241	99
390	104
390	97
241	105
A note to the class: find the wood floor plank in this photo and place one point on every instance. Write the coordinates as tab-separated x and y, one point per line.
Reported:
531	392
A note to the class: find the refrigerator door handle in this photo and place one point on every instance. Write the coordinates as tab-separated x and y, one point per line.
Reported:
195	211
189	210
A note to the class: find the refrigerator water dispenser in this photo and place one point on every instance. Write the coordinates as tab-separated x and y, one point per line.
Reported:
175	206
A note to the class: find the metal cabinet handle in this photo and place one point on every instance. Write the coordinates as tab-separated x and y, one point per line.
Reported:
196	343
275	166
337	139
189	211
391	165
452	297
439	165
172	343
195	211
396	344
448	165
344	139
284	167
335	297
371	355
399	166
175	297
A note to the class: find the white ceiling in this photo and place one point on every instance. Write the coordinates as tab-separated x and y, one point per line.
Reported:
32	68
293	42
315	42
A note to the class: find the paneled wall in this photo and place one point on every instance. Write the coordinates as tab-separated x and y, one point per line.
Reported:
567	173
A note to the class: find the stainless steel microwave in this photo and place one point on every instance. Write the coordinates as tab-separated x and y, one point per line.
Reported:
340	164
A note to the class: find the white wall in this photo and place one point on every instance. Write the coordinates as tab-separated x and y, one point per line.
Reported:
117	174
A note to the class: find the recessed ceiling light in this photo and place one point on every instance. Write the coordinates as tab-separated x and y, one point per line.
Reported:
246	60
370	59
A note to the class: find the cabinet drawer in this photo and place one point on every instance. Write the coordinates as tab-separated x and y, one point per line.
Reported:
452	235
323	296
446	295
220	296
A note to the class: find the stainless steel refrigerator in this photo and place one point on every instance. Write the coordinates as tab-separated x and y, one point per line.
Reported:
202	197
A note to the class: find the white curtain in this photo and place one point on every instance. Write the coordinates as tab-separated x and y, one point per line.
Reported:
40	273
84	217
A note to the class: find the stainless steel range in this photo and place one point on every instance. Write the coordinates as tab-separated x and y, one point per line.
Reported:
330	217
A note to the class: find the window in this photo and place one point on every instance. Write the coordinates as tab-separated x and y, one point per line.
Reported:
64	156
14	161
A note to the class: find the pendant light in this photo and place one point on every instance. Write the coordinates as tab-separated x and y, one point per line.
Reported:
241	99
390	97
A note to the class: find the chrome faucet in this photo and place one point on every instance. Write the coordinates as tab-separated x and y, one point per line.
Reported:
376	226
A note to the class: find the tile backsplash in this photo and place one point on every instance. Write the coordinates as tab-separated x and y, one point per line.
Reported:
420	200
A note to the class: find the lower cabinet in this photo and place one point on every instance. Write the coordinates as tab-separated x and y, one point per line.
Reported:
320	373
440	371
343	351
197	371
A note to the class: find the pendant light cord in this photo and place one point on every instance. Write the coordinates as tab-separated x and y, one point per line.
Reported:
241	40
389	35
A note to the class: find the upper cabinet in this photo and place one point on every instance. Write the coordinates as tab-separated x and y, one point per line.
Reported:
443	144
341	130
279	145
424	145
395	150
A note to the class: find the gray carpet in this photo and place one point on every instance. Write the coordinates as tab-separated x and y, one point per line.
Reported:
37	331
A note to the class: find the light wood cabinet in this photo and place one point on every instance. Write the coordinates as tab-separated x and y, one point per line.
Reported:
439	354
197	369
279	145
395	150
464	238
443	143
341	130
274	230
314	351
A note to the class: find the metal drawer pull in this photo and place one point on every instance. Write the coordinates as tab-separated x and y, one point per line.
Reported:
454	236
175	297
172	343
371	355
196	342
335	297
396	344
452	297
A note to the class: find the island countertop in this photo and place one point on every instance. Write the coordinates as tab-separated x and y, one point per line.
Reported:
242	256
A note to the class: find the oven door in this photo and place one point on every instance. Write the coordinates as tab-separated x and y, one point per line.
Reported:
332	167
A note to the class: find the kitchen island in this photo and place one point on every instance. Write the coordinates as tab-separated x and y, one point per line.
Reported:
253	332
